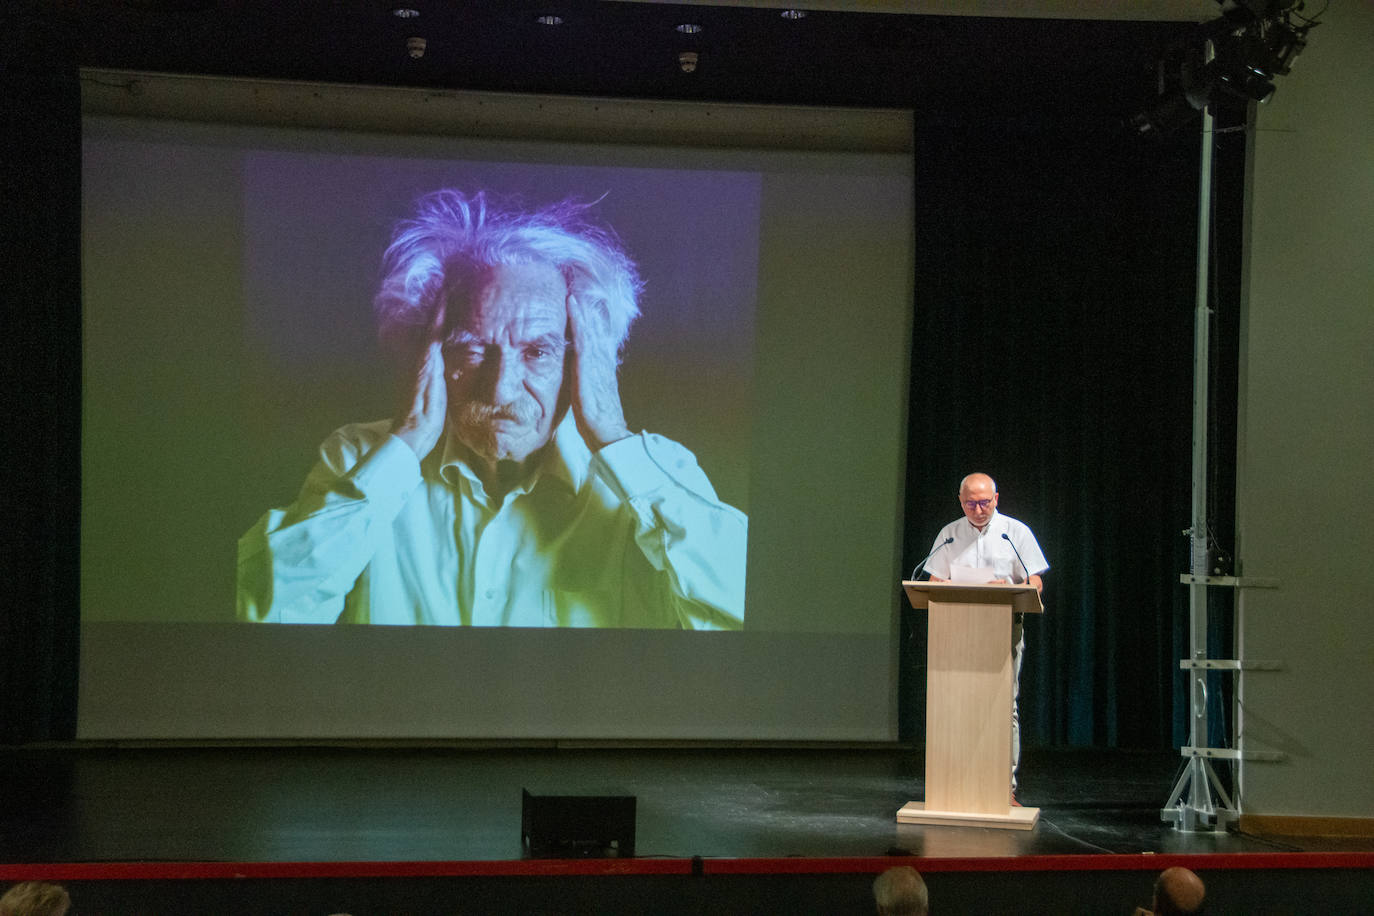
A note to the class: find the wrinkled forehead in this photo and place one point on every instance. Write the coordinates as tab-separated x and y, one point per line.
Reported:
531	295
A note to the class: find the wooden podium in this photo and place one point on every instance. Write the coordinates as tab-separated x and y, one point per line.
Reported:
968	704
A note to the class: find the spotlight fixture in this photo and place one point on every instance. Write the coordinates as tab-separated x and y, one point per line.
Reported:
794	15
1243	81
549	19
405	12
1252	42
688	28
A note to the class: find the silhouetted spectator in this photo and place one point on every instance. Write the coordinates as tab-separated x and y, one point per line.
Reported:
900	891
35	898
1177	891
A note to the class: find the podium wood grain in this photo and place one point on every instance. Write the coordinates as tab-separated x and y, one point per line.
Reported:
968	709
968	705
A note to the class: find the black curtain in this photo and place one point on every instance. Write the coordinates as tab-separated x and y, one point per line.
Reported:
40	173
1055	263
1053	347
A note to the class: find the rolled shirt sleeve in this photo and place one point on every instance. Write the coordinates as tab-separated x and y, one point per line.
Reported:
681	527
297	564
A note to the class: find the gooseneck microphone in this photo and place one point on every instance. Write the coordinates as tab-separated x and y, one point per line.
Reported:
919	566
1024	568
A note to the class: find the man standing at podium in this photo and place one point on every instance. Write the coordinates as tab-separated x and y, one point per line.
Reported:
986	546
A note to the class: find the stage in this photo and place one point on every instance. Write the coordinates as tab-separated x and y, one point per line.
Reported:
437	828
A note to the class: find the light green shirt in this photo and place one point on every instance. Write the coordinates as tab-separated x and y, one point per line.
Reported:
633	536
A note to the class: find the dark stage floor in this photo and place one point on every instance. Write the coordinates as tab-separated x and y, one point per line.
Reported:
436	804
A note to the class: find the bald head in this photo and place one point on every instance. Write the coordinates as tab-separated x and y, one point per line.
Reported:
1178	890
978	499
979	481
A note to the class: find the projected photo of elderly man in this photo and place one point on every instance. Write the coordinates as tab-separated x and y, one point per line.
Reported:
508	490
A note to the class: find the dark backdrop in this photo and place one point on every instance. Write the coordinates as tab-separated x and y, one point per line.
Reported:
40	379
1056	258
1052	344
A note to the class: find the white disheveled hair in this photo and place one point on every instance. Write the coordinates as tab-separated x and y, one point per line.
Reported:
438	256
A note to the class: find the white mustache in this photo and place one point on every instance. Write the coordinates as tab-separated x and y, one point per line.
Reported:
476	414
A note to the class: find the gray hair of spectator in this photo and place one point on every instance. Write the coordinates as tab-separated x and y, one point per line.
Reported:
439	255
35	898
901	891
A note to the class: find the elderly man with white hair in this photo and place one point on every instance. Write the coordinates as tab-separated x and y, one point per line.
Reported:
508	490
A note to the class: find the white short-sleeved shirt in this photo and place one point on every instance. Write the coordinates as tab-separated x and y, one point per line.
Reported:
987	548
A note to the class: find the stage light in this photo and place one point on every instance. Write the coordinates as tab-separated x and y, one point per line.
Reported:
1186	86
1251	43
1270	46
1245	82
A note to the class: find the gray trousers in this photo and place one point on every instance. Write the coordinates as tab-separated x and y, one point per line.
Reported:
1018	648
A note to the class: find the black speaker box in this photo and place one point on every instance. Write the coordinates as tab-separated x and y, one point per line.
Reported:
578	826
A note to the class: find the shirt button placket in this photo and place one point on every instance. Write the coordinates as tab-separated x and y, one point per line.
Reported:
490	570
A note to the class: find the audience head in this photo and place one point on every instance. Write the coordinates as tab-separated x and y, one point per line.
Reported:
35	898
900	891
1178	890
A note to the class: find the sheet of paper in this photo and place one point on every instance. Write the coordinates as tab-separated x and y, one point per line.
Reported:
971	575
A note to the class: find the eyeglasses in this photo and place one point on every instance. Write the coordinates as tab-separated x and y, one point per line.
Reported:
975	504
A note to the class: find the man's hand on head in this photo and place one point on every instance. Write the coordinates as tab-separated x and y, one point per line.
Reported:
595	391
421	421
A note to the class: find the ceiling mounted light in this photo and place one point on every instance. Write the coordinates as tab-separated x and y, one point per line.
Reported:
1245	82
405	12
549	20
688	28
1237	55
794	14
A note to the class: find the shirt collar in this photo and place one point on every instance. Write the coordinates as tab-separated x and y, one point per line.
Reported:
568	461
994	524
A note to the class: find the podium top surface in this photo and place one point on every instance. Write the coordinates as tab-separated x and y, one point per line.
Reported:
1023	599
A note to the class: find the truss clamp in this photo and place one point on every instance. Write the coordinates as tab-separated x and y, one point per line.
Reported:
1230	664
1226	753
1229	581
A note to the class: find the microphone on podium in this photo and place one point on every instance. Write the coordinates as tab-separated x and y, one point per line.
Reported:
1024	568
945	543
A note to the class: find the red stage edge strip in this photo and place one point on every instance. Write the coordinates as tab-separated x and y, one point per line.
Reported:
1114	862
165	871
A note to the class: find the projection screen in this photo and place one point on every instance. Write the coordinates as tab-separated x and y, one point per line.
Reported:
727	572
